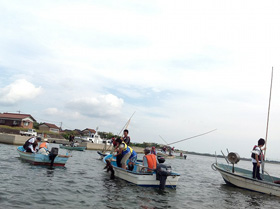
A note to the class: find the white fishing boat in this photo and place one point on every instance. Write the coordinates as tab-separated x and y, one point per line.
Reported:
243	178
140	178
95	138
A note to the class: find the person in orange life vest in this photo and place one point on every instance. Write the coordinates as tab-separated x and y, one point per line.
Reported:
126	138
153	151
31	145
44	147
257	157
149	161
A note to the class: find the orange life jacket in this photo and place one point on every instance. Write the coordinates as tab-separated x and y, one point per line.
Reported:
152	161
43	145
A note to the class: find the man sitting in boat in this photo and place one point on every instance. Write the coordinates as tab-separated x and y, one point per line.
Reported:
44	147
257	157
31	145
149	161
126	152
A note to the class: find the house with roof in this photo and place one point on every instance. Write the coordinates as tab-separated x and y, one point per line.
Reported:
49	127
17	120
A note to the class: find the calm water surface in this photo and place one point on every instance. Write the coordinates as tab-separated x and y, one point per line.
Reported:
84	184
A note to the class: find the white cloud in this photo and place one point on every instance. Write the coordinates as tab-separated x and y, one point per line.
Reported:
98	106
19	90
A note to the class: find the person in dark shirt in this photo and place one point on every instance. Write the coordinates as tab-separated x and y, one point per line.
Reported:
126	138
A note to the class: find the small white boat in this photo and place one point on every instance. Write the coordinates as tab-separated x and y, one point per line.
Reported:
40	159
243	178
140	178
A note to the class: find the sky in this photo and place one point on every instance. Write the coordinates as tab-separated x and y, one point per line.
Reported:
184	68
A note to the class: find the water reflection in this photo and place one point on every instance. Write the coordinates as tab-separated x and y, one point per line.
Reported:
50	172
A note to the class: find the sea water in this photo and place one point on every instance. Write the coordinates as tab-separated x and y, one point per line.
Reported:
83	183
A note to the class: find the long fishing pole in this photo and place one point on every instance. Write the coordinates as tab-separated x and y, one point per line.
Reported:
267	121
163	140
193	137
127	124
125	127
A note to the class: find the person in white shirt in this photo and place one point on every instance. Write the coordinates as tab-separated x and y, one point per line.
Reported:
257	157
31	145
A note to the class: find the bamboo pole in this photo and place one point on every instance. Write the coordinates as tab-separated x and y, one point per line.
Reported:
191	137
267	121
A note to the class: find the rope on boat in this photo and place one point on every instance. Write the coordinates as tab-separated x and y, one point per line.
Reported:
171	184
272	180
213	167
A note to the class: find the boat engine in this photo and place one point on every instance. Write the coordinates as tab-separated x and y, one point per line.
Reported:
53	154
233	158
162	171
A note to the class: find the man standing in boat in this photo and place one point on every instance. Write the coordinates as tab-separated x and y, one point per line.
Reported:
257	157
126	138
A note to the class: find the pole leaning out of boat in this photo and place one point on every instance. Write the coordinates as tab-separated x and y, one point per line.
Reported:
267	121
192	137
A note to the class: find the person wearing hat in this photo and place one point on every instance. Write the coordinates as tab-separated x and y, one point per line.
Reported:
31	145
149	161
44	147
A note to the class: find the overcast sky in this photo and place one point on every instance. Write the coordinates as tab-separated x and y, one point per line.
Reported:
185	67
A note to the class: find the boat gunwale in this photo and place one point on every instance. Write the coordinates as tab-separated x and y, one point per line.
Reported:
134	172
33	154
240	176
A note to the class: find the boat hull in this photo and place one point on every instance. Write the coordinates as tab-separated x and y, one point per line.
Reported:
40	159
140	178
72	148
242	178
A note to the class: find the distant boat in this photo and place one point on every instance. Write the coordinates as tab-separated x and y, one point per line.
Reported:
95	138
140	178
40	159
72	148
181	157
167	156
243	178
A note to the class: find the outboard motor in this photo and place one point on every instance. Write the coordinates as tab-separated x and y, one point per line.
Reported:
162	172
53	154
